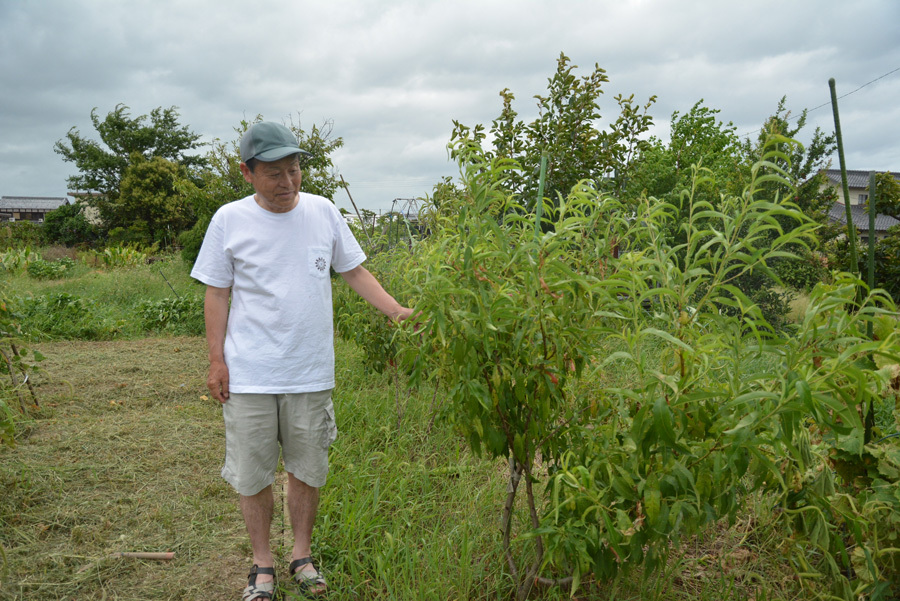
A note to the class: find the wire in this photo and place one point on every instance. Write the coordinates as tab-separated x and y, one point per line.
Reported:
854	91
824	104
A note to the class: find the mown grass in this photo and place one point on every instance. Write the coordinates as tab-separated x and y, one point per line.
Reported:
124	454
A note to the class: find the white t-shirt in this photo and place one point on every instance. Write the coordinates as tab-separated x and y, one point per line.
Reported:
280	336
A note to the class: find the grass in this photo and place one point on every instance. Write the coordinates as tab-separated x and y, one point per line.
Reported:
110	298
798	305
124	454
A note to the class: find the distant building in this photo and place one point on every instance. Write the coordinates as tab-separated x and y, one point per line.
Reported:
857	185
860	215
29	208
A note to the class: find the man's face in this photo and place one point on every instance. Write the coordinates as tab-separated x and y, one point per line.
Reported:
276	183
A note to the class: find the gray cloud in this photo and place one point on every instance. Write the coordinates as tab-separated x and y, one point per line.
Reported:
392	76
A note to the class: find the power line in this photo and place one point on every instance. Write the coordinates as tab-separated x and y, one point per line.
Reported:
824	104
854	91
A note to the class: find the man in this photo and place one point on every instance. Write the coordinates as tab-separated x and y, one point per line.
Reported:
271	354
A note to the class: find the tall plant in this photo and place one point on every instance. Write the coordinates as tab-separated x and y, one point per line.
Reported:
690	407
566	133
510	317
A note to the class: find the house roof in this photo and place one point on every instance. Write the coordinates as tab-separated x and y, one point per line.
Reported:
32	203
856	178
860	215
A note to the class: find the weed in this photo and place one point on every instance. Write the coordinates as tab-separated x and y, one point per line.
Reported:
181	315
50	270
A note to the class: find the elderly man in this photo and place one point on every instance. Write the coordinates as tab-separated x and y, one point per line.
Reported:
271	352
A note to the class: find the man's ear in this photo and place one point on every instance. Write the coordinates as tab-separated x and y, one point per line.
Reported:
245	171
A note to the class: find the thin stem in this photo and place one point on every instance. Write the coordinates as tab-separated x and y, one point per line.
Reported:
433	408
15	383
27	380
528	581
515	476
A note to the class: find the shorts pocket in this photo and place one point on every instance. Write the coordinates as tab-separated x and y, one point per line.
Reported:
329	428
319	261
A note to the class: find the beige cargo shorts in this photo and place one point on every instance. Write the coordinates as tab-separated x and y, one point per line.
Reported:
256	425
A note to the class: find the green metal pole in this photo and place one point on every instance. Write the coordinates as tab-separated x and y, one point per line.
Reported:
873	212
851	229
539	210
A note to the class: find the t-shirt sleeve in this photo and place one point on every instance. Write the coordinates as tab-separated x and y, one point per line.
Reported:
213	266
346	253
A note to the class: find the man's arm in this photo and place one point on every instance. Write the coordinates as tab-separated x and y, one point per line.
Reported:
364	283
215	312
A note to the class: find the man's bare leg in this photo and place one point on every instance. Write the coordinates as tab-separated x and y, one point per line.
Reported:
257	510
303	502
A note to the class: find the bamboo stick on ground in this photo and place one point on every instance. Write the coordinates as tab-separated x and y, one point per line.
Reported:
145	555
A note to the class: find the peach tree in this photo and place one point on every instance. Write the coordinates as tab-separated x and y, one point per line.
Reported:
509	318
623	369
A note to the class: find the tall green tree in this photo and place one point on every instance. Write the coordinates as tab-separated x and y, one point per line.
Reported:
102	163
697	138
887	194
566	132
150	203
803	165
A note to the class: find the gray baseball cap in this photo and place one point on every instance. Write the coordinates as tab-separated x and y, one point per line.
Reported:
267	141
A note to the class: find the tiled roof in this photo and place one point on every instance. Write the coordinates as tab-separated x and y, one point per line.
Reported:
31	203
861	217
856	178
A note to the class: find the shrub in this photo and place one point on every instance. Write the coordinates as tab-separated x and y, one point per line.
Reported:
19	234
697	398
356	321
126	255
887	260
181	315
65	316
50	270
191	240
68	225
804	271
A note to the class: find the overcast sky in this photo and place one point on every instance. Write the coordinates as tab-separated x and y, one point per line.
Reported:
392	75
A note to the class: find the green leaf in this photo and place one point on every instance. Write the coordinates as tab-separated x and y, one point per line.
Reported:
652	500
747	421
519	447
663	422
667	337
804	393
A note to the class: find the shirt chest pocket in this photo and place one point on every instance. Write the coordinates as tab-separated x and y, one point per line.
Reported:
319	260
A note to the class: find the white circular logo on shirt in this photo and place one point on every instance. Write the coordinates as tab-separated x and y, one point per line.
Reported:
321	264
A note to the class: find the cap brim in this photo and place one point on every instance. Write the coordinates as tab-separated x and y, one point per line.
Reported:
276	154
